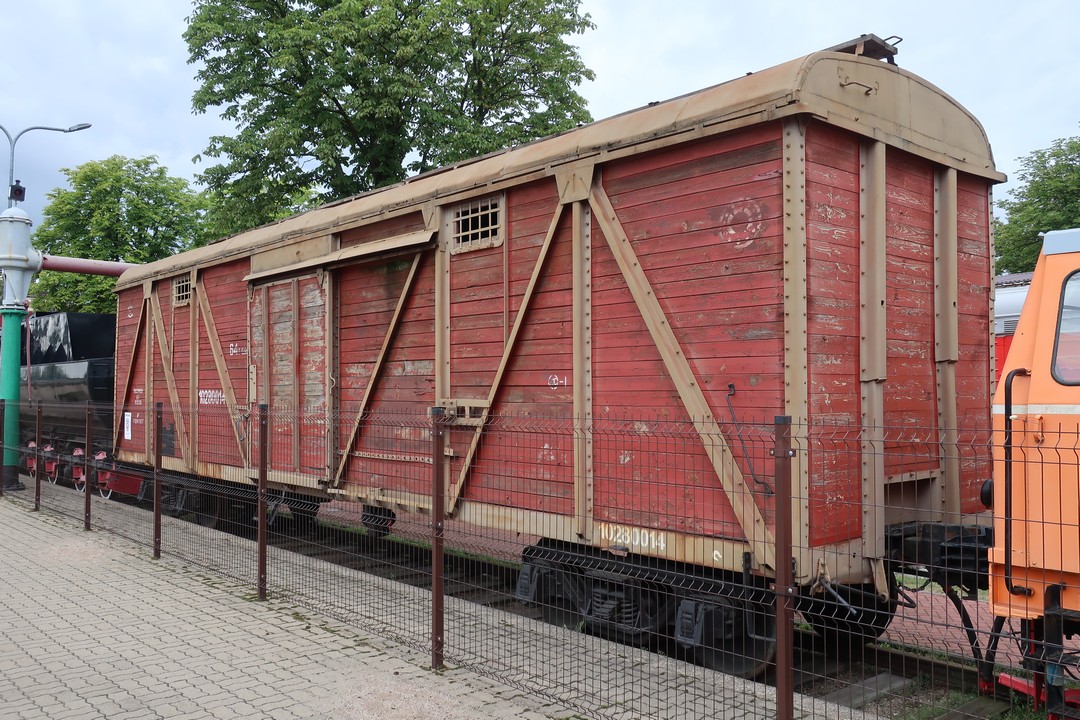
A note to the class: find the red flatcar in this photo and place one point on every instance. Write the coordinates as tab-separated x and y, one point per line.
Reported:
812	240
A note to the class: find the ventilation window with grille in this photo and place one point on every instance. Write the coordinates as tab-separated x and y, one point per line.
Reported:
181	291
477	224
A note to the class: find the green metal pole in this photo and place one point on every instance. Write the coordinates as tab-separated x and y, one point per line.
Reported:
10	344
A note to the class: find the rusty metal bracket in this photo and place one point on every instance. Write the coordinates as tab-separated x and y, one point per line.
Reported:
845	81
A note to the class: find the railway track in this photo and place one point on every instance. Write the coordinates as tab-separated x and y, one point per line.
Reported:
879	678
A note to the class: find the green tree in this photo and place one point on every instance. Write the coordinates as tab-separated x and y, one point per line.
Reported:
336	97
1049	199
117	209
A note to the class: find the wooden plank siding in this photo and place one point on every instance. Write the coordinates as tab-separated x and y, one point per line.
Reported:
132	431
224	422
385	368
289	352
537	474
975	375
833	327
711	252
911	391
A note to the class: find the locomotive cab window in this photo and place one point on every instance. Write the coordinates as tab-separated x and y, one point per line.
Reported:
477	224
1066	364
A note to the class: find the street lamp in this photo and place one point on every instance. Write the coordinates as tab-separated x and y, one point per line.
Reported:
19	194
18	262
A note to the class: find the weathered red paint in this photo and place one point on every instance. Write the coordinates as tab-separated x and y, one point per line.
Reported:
709	226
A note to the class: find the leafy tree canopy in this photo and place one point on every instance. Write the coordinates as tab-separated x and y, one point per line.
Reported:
116	209
1049	199
336	97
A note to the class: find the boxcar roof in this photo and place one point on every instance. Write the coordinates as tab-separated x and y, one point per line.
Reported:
869	97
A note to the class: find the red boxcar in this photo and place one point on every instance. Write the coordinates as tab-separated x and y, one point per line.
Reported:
812	240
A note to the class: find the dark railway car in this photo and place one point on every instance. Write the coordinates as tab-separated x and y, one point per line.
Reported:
812	240
67	363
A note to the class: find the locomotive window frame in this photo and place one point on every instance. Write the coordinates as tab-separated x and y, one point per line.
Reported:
181	290
477	224
1068	323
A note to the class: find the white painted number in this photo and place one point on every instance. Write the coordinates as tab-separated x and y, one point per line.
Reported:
633	537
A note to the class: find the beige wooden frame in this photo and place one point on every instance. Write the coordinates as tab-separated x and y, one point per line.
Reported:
873	342
165	352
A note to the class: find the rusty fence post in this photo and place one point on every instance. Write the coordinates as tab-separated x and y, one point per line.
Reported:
158	422
39	459
86	468
264	455
438	512
785	620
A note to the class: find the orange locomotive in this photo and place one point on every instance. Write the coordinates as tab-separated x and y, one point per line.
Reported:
1035	561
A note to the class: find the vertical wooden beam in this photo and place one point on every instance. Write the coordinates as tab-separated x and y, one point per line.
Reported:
298	375
165	350
264	384
583	418
330	351
992	299
796	341
947	331
873	349
796	350
193	366
442	314
148	399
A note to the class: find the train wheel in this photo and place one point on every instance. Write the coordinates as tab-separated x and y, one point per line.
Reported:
207	507
858	618
739	641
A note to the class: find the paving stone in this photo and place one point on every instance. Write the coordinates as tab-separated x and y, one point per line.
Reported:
170	639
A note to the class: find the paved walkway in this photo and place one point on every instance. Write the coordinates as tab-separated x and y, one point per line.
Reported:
92	627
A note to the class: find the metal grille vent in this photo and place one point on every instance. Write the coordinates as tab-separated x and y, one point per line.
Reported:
181	290
477	225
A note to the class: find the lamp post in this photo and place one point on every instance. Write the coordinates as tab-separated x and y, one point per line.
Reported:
15	195
18	261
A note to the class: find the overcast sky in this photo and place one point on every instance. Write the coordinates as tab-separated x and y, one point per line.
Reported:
122	66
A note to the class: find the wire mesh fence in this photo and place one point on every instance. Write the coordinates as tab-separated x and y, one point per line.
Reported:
626	567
